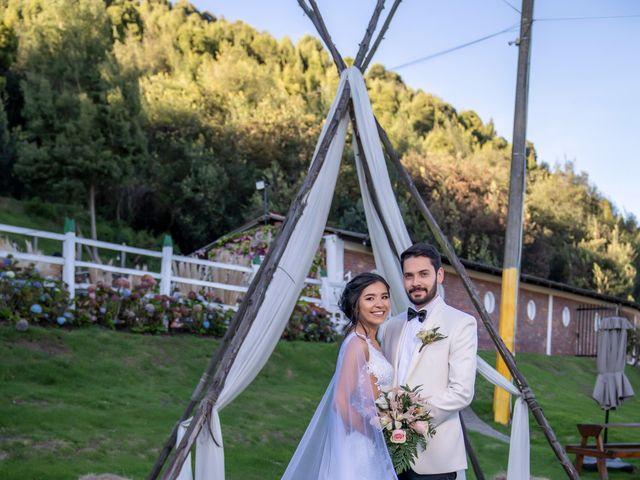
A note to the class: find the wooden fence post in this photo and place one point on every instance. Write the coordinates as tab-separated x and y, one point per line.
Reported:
69	255
166	266
255	266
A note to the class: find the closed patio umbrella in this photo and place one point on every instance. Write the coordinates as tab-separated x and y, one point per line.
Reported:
612	386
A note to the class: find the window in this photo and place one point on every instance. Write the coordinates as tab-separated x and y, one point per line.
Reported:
531	310
566	316
489	302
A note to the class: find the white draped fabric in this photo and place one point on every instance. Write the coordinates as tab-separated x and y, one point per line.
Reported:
388	265
281	297
519	446
285	288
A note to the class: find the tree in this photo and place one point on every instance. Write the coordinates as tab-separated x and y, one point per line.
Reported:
82	130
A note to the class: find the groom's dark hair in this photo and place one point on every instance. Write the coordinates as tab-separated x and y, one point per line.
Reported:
422	250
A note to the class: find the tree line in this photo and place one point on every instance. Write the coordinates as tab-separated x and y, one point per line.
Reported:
163	117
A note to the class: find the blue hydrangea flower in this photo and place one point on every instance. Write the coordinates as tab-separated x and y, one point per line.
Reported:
68	315
7	262
126	293
206	324
103	310
37	284
35	308
61	320
149	308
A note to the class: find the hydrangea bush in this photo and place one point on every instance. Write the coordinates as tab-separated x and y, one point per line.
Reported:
310	323
26	294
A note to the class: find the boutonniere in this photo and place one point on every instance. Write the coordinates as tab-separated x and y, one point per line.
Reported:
429	336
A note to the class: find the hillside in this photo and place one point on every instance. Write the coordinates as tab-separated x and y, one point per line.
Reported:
152	113
50	217
93	400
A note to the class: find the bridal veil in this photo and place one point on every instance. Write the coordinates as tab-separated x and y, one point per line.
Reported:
343	440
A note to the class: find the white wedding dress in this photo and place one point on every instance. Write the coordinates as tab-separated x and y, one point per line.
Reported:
343	440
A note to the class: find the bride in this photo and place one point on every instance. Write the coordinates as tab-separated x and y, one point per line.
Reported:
344	440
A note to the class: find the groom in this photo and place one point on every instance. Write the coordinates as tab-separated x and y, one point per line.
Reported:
445	368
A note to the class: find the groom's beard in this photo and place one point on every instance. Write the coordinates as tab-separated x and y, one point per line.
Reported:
421	301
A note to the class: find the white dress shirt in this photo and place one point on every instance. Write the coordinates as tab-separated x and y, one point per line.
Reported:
410	342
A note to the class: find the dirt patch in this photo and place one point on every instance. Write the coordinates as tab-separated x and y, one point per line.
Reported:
21	439
102	476
49	444
503	476
53	444
46	346
31	403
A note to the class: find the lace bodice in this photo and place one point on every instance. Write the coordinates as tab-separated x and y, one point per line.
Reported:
379	366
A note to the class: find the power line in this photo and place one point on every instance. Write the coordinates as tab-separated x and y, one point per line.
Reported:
506	30
606	17
458	47
513	7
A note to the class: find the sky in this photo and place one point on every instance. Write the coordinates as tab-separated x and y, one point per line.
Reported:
584	81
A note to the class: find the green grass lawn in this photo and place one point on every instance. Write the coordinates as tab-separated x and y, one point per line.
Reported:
93	400
46	216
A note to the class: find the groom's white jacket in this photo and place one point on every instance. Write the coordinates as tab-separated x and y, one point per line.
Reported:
446	371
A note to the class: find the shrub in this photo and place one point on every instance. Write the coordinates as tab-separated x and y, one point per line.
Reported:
25	294
310	323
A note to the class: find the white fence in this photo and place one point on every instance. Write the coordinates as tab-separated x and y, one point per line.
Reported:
167	277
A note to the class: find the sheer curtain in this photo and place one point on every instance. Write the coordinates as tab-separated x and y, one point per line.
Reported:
343	440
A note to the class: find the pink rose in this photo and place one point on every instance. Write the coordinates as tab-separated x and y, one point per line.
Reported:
420	428
398	436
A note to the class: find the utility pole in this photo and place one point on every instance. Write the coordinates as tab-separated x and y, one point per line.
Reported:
513	241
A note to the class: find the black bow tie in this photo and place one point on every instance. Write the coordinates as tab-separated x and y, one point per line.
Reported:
411	314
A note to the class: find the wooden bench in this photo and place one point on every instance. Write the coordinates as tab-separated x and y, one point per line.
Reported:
601	451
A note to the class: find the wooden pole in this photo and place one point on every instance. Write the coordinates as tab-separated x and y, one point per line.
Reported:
475	464
513	240
380	36
369	181
317	21
223	361
368	34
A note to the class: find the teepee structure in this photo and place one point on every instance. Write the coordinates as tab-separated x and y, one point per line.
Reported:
271	297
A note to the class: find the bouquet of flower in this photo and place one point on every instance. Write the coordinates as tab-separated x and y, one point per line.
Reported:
406	424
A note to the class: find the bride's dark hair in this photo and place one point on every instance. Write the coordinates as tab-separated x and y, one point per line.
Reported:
351	294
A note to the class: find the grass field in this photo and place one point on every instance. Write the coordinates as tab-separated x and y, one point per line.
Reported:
93	400
47	216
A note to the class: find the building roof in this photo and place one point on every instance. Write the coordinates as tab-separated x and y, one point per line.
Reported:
363	238
543	282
